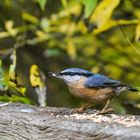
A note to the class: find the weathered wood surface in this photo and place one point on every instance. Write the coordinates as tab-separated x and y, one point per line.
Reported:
25	122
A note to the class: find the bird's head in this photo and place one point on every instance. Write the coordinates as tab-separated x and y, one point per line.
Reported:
71	75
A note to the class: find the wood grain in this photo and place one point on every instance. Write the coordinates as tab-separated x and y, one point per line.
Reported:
26	122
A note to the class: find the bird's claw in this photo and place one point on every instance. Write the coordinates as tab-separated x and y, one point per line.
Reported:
76	110
81	109
109	110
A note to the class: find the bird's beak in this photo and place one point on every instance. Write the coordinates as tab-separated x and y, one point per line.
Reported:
54	74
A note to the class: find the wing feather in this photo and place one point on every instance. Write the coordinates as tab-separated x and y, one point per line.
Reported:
100	81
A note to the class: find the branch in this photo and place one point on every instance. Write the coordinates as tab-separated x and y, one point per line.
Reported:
26	122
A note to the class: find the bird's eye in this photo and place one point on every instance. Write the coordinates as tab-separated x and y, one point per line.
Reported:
60	73
70	73
67	73
63	73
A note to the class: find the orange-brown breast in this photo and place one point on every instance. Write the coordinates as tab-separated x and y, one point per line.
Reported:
78	90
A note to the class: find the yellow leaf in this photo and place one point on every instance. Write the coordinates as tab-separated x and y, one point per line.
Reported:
41	35
19	88
22	90
4	34
71	50
103	12
105	27
111	23
137	37
35	79
9	27
75	9
29	17
9	24
137	13
81	27
64	2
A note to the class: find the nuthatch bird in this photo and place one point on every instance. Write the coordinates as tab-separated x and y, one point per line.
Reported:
87	85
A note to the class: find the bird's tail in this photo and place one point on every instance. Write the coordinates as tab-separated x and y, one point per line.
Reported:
132	89
124	87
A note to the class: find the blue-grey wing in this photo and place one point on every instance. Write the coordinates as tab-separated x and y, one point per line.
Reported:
100	81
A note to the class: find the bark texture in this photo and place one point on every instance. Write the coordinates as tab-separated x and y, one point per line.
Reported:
26	122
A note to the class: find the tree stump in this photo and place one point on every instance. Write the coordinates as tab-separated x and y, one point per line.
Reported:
26	122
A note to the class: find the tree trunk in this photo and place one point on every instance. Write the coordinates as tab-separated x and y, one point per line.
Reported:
26	122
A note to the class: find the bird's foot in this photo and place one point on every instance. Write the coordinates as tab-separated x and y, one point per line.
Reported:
81	109
76	110
105	111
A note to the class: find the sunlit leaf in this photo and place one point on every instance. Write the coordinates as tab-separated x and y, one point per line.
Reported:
44	23
9	27
71	48
89	7
81	27
37	80
137	13
17	87
41	35
42	3
111	23
28	17
15	98
103	12
64	2
75	9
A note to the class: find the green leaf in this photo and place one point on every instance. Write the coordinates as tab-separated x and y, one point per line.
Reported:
15	98
64	3
12	69
52	53
42	4
89	6
103	12
30	18
3	85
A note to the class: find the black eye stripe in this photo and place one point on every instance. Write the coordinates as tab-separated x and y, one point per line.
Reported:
76	73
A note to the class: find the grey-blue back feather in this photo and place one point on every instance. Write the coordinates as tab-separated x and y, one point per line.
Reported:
101	81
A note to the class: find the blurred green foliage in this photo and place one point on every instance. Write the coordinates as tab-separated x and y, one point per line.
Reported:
98	35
